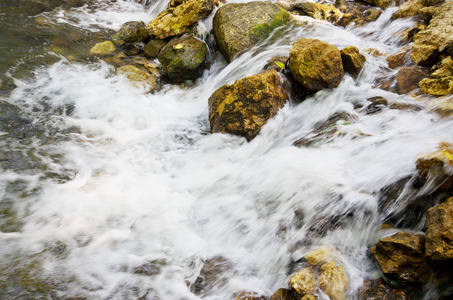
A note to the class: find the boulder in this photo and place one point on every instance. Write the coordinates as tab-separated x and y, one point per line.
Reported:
439	232
437	87
245	106
183	58
379	290
211	275
104	48
401	258
239	26
316	64
437	167
407	79
139	77
315	10
333	280
436	38
153	47
177	20
130	33
412	8
353	61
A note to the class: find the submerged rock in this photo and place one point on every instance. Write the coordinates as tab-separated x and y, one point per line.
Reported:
245	106
439	232
379	290
138	77
211	275
400	58
238	26
333	280
316	64
436	38
353	61
177	20
408	78
130	33
183	58
401	258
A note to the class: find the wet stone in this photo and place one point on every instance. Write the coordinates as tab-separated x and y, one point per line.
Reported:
376	105
285	294
379	290
408	79
213	274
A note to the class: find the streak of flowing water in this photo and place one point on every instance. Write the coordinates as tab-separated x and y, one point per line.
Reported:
148	193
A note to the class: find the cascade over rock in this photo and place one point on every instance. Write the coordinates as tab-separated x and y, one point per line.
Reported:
238	26
437	167
245	106
314	10
176	20
316	64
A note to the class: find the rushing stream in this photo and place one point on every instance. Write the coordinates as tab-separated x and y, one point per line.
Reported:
108	192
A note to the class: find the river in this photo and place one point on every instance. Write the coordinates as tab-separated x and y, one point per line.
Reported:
109	192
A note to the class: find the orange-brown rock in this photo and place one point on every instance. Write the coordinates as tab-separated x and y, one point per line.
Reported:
407	79
437	166
439	232
401	258
401	58
316	64
245	106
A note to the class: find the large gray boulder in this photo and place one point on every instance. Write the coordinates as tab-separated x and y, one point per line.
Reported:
238	26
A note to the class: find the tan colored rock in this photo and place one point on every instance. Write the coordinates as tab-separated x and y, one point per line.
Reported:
401	258
411	8
316	11
138	77
316	64
437	87
444	69
437	37
437	166
399	59
439	231
239	26
353	61
333	281
245	106
320	255
407	79
443	106
379	290
104	48
304	281
176	21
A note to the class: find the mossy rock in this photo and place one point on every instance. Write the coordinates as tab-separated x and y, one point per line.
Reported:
177	20
130	33
239	26
183	58
316	64
245	106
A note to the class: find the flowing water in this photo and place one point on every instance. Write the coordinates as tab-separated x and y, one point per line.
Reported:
108	192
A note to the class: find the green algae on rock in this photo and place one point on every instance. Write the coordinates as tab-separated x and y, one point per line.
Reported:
183	58
238	26
245	106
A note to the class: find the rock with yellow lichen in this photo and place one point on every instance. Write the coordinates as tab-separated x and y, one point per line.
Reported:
437	166
439	232
104	48
304	281
245	106
333	280
316	64
239	26
413	8
177	20
438	87
436	38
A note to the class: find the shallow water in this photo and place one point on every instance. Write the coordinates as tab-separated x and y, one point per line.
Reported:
122	194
